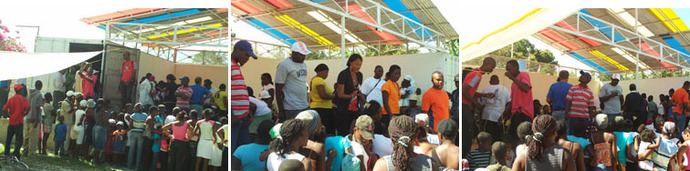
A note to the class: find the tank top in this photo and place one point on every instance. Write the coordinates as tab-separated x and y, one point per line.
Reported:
603	151
420	162
206	129
551	159
179	132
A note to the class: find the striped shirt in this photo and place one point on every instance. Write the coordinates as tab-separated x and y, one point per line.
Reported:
239	99
581	98
181	102
478	159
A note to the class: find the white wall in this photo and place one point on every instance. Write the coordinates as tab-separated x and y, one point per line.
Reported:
654	86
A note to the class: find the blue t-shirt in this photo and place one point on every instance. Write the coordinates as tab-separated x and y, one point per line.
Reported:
198	93
339	143
60	130
557	92
249	154
623	139
139	120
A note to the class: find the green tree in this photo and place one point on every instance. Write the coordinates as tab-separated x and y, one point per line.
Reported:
211	58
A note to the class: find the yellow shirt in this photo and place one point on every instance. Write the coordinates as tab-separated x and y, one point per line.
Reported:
219	97
316	101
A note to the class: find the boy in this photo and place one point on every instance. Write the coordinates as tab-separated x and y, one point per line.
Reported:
59	137
479	158
119	143
48	120
499	152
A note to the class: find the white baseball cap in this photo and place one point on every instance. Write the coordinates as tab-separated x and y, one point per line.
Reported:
301	48
616	76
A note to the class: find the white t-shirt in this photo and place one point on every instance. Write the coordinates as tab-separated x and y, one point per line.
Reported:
613	105
358	150
381	145
58	82
370	86
261	107
294	76
646	164
495	106
144	90
78	115
274	160
264	94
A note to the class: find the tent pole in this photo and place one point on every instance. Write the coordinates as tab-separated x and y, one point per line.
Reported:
342	33
639	41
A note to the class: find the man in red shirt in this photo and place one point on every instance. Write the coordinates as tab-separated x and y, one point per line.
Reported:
89	81
127	78
435	101
470	103
18	107
521	107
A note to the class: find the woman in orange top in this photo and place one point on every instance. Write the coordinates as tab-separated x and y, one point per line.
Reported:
391	94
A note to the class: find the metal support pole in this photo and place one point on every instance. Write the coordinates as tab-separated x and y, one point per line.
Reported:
511	49
203	57
175	57
342	32
639	48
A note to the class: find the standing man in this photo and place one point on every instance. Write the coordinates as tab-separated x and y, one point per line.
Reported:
494	108
17	107
239	97
127	78
291	84
208	102
67	112
199	95
680	106
170	88
4	93
145	93
611	97
372	86
522	107
59	85
556	96
632	109
579	105
470	103
183	94
33	119
435	101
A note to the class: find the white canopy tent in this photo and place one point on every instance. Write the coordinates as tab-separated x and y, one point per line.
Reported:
22	65
487	29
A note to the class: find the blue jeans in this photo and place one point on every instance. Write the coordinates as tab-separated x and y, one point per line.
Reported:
573	121
137	147
680	121
99	138
154	162
239	134
199	108
59	147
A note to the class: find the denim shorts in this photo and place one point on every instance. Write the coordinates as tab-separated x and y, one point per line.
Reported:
99	137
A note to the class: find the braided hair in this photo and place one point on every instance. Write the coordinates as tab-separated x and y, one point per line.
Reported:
543	126
403	132
290	131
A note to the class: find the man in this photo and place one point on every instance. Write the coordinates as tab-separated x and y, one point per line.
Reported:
447	152
208	85
67	112
680	106
631	107
372	86
220	99
579	105
33	119
88	81
291	85
454	97
645	103
199	94
494	108
127	78
183	94
435	100
522	107
239	97
611	98
4	93
556	96
18	107
170	88
470	103
59	84
145	93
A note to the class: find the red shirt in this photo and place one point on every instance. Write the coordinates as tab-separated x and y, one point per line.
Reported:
680	96
437	100
16	105
182	102
472	79
128	68
581	99
522	101
87	86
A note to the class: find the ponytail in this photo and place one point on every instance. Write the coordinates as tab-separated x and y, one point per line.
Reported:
544	125
403	132
289	133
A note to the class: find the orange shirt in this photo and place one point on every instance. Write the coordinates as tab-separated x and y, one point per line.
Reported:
679	97
393	90
437	100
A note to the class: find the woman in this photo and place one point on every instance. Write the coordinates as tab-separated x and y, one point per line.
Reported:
574	147
178	147
524	129
349	96
321	97
293	136
543	152
205	130
314	149
403	132
267	93
604	143
391	94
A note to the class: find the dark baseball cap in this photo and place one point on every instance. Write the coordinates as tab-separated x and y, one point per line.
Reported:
246	47
447	127
185	78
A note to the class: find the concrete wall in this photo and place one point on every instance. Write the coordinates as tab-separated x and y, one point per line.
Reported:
217	74
162	67
420	66
654	86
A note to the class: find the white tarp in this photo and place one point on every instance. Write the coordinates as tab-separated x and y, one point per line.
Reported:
22	65
501	26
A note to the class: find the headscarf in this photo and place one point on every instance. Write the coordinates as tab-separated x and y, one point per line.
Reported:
311	118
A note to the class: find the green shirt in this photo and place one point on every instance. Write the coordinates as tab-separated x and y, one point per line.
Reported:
69	78
652	109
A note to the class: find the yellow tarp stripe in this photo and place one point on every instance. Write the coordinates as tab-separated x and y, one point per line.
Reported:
503	28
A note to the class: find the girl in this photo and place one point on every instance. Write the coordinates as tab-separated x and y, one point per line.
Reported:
293	135
543	152
205	130
403	132
179	147
267	93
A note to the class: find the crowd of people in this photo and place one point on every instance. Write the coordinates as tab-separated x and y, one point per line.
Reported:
630	132
161	125
300	123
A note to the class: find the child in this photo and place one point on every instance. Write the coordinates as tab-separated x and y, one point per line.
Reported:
499	152
119	143
193	142
479	158
646	148
205	130
48	120
59	137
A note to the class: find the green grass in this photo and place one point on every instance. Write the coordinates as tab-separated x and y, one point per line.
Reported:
53	162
